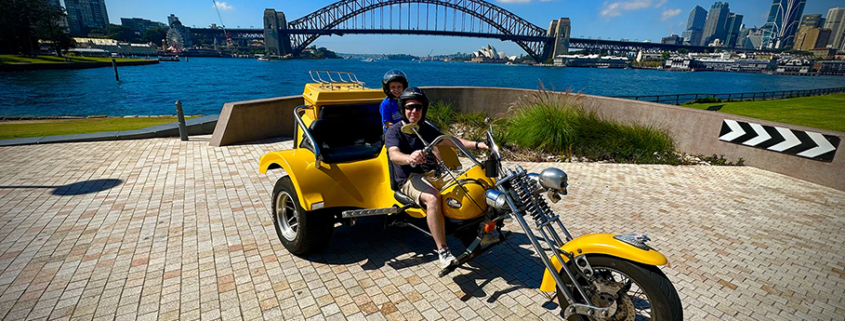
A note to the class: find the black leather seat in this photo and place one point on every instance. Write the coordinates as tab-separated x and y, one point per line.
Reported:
347	133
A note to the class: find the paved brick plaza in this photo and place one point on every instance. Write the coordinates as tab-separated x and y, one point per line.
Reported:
164	229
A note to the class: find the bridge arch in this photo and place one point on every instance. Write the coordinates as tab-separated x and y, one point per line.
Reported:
529	37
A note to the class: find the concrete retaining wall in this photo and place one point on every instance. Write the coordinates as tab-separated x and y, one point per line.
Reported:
694	131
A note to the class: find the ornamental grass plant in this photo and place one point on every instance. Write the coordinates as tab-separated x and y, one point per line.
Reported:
560	123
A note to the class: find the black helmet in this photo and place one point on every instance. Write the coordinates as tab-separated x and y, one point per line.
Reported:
413	93
393	75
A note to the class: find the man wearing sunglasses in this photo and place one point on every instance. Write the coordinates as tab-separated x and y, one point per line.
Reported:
406	149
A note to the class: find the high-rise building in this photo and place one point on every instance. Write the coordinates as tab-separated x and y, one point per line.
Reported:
171	19
139	26
836	23
783	21
672	40
808	38
732	27
695	26
714	26
812	20
83	15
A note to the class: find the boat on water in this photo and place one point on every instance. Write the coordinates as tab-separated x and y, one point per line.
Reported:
367	60
168	58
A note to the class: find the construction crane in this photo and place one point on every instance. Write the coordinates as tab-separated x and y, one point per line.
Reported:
228	39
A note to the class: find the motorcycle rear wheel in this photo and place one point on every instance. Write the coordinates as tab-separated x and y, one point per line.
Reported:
651	296
299	231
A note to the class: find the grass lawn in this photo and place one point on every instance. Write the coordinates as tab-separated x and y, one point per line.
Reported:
11	59
53	127
824	112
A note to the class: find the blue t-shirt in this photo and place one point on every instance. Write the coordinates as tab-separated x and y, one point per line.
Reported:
408	144
389	111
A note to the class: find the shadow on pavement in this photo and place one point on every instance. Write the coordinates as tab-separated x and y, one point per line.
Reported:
78	188
372	246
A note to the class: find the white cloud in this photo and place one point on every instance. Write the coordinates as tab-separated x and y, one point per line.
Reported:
615	9
223	6
669	13
662	2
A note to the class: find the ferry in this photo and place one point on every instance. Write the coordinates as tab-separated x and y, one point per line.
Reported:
168	58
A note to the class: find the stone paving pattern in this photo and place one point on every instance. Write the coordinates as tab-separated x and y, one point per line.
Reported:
164	229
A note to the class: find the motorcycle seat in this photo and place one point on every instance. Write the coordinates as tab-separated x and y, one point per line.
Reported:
405	200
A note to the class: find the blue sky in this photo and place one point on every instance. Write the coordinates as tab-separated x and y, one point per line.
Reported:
632	19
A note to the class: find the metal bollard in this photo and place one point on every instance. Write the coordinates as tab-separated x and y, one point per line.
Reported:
183	129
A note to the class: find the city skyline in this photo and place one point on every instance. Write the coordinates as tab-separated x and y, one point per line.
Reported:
635	20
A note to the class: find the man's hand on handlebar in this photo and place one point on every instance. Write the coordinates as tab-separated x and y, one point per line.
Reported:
416	157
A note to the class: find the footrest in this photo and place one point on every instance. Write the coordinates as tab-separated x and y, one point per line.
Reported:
369	212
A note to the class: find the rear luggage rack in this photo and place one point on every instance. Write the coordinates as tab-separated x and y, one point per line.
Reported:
327	77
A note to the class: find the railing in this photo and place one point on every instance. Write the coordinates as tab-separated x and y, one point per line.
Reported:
683	98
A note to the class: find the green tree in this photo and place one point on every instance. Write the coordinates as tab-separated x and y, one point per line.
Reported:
22	22
325	53
665	55
155	35
120	33
683	51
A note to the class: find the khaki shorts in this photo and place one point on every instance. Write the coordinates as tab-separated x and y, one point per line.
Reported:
416	185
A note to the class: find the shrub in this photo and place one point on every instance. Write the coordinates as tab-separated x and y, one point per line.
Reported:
707	100
441	114
560	123
546	121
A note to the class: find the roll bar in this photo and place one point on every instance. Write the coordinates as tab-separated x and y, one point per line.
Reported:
317	156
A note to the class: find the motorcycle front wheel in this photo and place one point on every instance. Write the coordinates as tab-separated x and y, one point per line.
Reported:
647	294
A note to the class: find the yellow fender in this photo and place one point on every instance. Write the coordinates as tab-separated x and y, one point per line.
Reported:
601	243
362	184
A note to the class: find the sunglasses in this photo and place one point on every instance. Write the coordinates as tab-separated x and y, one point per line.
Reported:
413	106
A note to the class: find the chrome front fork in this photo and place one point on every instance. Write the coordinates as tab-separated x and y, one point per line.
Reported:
551	237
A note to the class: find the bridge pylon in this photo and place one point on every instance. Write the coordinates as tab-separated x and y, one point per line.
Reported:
559	29
276	37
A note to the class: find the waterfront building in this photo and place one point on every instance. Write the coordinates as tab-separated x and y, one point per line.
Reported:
139	26
489	54
794	66
84	15
727	64
714	26
836	23
695	25
678	63
732	25
592	61
835	68
782	24
826	53
111	46
808	38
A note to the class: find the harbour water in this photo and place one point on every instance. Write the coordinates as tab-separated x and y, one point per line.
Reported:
203	85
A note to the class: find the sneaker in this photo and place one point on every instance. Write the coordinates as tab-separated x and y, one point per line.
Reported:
446	257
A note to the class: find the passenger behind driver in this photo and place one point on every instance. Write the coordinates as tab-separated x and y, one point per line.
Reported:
404	149
393	83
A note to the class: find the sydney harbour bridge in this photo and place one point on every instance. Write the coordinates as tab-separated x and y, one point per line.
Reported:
457	18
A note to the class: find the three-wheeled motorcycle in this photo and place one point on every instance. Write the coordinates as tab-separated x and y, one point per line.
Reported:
338	171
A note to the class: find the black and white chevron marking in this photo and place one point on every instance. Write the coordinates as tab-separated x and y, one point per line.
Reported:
779	139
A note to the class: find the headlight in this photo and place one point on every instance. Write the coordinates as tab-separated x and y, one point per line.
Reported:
554	178
496	199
